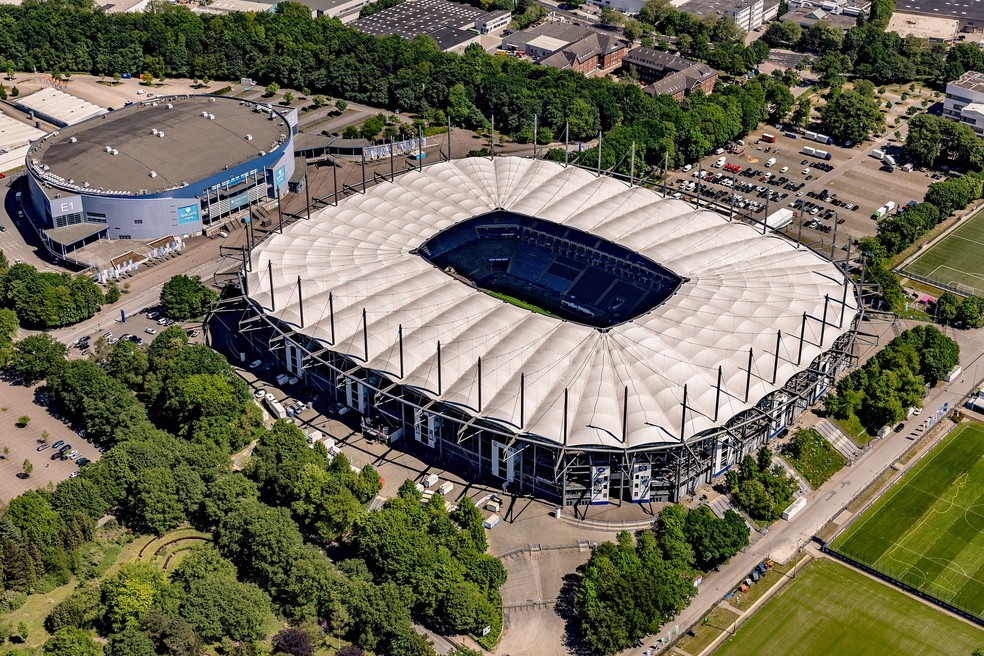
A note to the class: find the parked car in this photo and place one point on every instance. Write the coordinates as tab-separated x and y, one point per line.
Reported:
150	331
42	447
255	364
82	462
162	321
58	444
74	454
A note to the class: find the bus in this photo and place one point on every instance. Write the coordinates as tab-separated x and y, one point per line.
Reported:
769	138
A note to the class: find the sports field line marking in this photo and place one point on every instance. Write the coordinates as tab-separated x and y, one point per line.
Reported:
973	241
948	566
900	483
959	272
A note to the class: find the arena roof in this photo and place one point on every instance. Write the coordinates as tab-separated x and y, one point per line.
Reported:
193	147
743	287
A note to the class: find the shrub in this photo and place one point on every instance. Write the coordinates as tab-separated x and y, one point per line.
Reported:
813	456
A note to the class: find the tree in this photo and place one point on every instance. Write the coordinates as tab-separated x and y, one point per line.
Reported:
217	606
128	364
184	297
130	642
33	515
340	105
112	292
782	33
71	642
850	115
28	467
261	541
947	307
318	101
288	97
154	502
82	610
272	88
295	642
36	356
130	594
611	17
23	421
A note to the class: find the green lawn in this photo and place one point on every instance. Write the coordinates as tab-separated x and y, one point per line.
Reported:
831	610
518	302
928	530
955	260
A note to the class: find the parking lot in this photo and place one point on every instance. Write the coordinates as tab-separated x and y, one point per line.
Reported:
139	328
763	177
18	444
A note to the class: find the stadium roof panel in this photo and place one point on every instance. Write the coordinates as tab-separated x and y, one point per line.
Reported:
59	107
743	289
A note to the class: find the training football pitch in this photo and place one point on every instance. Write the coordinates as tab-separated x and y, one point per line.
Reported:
830	609
928	530
956	259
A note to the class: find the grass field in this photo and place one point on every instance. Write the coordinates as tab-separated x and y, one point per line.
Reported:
831	609
928	530
955	260
520	303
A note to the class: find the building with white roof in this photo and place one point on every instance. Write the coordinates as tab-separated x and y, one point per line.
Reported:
57	107
667	343
15	137
964	101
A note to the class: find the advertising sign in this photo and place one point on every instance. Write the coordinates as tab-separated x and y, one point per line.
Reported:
239	200
280	177
188	214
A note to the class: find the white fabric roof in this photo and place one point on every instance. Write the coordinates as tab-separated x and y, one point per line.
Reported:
743	287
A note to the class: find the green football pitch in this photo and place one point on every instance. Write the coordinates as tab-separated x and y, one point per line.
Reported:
831	610
956	259
928	530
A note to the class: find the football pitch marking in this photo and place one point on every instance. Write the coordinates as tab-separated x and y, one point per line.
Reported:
948	504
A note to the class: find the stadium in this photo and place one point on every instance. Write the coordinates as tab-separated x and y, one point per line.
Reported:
551	331
167	166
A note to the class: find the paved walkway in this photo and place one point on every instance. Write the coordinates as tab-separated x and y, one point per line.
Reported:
837	439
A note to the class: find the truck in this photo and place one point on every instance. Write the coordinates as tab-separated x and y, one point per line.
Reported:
276	407
821	154
769	138
889	161
878	154
780	218
771	162
824	139
809	150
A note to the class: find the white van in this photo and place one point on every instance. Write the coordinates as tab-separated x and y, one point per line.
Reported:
771	162
223	234
721	160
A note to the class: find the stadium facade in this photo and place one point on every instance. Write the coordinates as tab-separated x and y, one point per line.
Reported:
550	331
167	166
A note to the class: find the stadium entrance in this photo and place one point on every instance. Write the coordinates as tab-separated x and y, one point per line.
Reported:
552	269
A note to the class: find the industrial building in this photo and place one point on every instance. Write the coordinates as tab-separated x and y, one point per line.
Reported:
453	25
57	107
167	166
667	341
15	136
964	102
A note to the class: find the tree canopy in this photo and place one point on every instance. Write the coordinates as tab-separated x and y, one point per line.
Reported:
184	297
